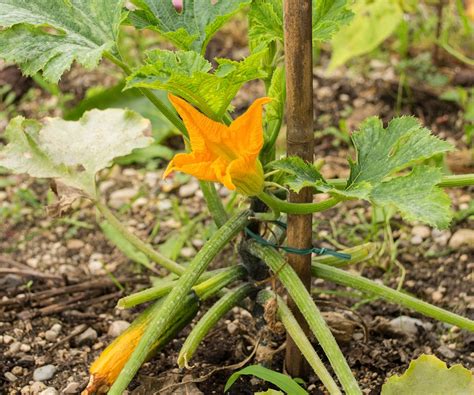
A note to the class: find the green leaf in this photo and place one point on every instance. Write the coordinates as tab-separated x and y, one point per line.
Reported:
280	380
374	21
328	17
429	375
266	20
49	35
190	29
299	174
383	152
416	196
270	392
186	74
277	91
72	152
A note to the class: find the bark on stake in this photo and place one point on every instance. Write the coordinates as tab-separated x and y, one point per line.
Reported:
300	142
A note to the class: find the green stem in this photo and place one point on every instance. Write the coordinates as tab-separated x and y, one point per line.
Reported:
214	203
370	287
163	108
453	181
358	254
301	340
148	250
211	286
311	313
210	319
282	206
174	301
457	180
208	285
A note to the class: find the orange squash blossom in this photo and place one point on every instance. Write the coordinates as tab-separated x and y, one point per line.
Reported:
220	153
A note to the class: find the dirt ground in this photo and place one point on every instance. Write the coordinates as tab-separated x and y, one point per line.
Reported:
60	279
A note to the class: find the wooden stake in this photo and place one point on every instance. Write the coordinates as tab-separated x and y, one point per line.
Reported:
300	142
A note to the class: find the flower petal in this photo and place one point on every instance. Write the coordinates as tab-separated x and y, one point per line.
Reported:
247	130
246	175
198	125
197	165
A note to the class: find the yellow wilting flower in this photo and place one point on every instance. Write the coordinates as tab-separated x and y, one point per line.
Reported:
220	153
105	369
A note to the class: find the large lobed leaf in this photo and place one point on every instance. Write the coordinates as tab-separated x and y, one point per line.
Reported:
375	175
266	20
48	35
186	74
374	21
429	375
190	29
72	152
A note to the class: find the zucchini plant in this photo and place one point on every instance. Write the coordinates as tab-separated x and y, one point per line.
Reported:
390	169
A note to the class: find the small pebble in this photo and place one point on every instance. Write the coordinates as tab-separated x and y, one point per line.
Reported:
116	328
188	190
408	325
17	370
50	335
436	296
446	352
14	347
462	237
122	196
25	348
71	388
416	240
56	328
187	252
10	377
86	337
49	391
232	328
44	373
75	244
7	339
37	387
420	230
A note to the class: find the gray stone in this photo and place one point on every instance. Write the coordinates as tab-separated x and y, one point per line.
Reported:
10	377
188	190
50	335
122	196
232	328
37	387
49	391
116	328
14	347
462	237
416	240
87	337
71	388
187	252
44	372
422	231
56	328
446	352
408	325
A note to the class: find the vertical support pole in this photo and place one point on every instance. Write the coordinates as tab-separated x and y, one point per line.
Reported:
300	142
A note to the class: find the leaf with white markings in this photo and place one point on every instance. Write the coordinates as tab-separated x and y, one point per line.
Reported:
266	20
190	29
72	152
49	35
187	74
375	175
416	196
